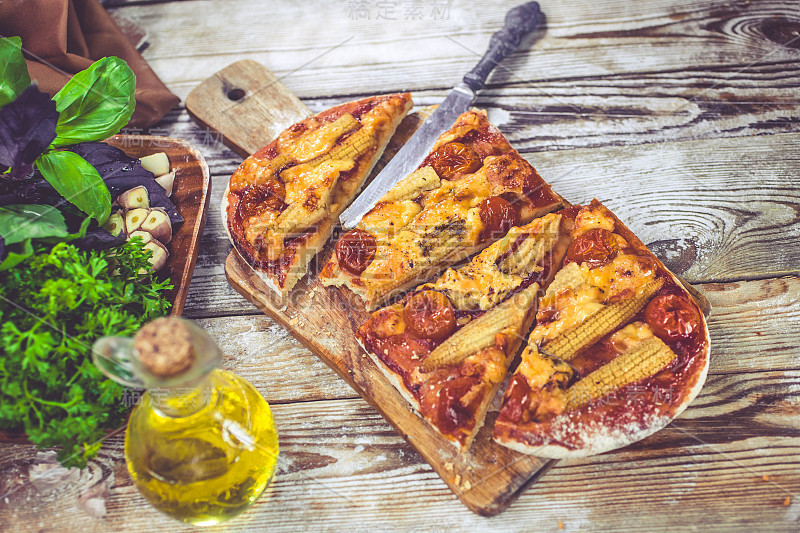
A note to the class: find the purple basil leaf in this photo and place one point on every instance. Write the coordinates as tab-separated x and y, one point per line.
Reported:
122	172
27	127
35	190
97	238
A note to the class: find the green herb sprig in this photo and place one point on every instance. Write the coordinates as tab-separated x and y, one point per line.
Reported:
53	306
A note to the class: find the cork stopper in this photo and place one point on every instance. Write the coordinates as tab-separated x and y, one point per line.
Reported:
165	347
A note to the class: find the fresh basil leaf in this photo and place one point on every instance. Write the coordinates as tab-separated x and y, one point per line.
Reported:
96	103
78	182
25	221
27	126
17	255
14	76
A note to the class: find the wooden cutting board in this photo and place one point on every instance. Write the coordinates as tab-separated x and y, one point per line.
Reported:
250	107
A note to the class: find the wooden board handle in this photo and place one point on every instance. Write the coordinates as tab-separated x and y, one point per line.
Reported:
246	104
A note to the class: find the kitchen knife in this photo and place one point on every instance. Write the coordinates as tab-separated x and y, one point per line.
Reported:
519	22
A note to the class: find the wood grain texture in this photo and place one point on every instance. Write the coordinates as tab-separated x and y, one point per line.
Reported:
633	72
345	466
191	194
246	104
323	320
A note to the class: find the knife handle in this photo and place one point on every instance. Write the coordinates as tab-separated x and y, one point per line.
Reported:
520	21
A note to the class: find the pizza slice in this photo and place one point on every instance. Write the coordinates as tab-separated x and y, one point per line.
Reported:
283	201
619	349
466	194
446	345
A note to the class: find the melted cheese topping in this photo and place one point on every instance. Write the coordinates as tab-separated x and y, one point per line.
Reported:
318	138
596	218
629	336
584	290
501	267
447	218
577	291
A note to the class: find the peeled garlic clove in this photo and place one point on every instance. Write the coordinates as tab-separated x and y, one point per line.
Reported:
167	181
158	163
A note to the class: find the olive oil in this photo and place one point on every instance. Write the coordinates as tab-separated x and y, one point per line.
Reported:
201	446
202	455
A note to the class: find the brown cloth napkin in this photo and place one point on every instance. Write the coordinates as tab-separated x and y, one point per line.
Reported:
62	37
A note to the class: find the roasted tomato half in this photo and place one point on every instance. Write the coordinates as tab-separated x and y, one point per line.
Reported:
498	216
517	400
262	197
672	317
453	160
355	251
428	314
596	247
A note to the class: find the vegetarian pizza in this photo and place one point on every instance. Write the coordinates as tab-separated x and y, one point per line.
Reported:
283	201
446	345
468	192
619	349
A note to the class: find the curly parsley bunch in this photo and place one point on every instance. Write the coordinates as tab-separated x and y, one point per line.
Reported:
53	306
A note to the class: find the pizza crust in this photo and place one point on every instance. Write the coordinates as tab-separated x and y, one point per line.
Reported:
314	243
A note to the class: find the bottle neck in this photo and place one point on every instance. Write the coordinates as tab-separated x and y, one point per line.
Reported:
179	402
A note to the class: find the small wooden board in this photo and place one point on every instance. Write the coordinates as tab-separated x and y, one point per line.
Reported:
487	477
190	194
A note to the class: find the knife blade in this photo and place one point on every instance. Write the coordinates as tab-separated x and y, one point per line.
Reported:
519	22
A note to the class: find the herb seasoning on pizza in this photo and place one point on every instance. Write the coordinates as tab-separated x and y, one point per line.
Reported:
283	201
467	193
447	345
619	349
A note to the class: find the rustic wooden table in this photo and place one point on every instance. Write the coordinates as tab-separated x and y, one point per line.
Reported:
683	116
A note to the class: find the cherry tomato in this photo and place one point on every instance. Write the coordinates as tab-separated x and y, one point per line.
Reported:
596	247
454	160
498	216
517	400
266	196
355	251
429	315
672	316
450	413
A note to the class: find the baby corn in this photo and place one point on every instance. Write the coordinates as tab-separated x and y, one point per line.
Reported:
569	343
481	332
645	359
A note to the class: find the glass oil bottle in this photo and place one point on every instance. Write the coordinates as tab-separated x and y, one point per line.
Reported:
201	446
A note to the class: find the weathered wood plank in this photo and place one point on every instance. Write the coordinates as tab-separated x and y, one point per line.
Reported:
637	72
344	463
712	210
585	115
353	52
268	356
